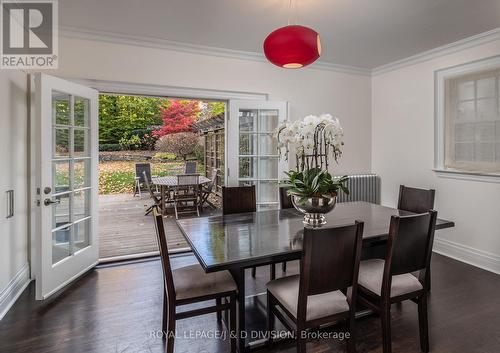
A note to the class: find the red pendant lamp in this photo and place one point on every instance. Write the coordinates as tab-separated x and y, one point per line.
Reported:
292	46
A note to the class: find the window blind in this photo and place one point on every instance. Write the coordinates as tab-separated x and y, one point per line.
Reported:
472	123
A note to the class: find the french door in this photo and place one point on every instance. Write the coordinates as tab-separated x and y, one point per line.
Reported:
67	183
252	150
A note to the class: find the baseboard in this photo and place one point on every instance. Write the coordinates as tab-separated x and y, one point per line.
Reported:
14	289
482	259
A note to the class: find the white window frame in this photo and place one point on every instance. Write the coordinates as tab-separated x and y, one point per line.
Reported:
440	77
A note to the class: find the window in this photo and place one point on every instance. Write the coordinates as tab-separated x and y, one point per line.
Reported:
468	118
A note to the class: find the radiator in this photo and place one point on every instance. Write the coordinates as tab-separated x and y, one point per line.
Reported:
362	187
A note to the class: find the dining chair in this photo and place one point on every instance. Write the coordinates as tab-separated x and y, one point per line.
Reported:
382	283
186	192
240	199
207	190
416	200
329	266
140	179
190	284
285	202
190	167
156	197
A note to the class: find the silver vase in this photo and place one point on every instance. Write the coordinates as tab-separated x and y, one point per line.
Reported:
314	208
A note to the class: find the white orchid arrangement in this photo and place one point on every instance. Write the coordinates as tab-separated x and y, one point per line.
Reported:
303	134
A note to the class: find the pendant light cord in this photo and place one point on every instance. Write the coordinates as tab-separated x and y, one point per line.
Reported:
295	11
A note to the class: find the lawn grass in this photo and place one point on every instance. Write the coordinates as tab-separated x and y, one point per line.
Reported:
118	177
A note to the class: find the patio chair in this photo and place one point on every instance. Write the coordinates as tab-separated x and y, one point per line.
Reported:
208	189
190	167
155	196
186	195
142	173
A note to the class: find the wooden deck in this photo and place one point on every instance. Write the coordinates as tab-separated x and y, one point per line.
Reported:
124	230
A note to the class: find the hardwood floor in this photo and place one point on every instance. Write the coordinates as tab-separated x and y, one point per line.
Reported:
118	309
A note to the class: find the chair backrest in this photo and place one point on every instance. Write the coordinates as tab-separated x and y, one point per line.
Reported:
238	199
330	261
190	167
409	245
151	193
165	260
140	169
416	200
285	199
188	179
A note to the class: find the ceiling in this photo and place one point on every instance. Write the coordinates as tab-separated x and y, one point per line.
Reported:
360	33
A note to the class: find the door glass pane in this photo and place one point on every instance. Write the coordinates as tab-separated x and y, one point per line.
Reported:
81	143
248	120
60	176
60	108
82	173
60	244
268	168
81	111
248	167
61	143
268	120
61	210
268	145
81	235
268	191
248	144
81	205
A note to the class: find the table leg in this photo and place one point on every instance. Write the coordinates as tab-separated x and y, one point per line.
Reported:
239	277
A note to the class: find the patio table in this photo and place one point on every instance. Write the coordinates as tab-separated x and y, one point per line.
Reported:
167	183
239	241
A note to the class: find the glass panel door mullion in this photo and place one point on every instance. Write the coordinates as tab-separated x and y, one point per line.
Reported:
71	171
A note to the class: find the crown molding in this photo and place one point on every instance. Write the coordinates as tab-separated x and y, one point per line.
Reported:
462	44
151	42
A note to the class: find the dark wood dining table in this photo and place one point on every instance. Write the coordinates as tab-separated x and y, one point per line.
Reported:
239	241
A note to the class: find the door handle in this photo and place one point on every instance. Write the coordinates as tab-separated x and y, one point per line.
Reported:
48	202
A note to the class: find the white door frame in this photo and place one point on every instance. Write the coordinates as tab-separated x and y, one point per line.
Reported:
114	87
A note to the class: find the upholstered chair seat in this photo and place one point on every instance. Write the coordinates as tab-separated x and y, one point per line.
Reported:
286	290
371	273
193	282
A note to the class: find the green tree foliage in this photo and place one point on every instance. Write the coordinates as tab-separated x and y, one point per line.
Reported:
119	115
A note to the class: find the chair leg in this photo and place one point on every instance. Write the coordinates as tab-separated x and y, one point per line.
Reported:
272	274
385	316
423	324
270	317
254	271
283	266
165	314
136	187
232	324
351	341
301	341
170	330
218	302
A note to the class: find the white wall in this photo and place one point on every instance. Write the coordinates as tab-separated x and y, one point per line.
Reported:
13	163
403	153
309	91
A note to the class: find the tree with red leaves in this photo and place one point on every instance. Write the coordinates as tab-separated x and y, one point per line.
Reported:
178	116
